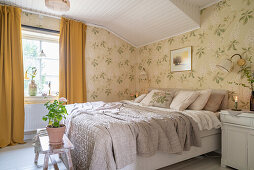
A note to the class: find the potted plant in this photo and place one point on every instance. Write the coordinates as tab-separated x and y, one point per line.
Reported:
57	112
247	73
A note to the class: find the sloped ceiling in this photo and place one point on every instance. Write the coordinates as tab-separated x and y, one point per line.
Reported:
138	22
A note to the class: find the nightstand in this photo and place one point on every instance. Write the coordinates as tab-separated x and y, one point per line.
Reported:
237	139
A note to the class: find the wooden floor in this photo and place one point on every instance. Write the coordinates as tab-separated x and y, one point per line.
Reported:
20	157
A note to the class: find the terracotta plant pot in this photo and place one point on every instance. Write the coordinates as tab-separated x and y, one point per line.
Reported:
56	134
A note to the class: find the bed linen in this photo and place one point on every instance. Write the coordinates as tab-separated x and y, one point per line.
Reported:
110	135
206	120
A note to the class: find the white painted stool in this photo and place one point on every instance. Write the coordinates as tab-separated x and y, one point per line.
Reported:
42	146
48	149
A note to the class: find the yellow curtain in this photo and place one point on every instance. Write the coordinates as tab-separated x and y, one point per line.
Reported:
11	77
72	77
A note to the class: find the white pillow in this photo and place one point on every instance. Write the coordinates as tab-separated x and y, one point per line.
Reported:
148	98
183	99
201	101
140	98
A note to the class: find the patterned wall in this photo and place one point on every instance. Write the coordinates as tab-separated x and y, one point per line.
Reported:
226	28
110	66
40	21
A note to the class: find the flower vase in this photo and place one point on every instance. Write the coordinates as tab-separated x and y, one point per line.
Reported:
32	88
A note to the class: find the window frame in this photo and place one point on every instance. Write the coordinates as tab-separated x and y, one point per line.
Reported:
25	35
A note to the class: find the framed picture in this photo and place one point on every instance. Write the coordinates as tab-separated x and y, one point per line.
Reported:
180	59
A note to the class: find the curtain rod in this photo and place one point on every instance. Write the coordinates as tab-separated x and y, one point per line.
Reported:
40	29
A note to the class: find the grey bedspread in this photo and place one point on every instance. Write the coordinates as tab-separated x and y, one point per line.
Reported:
110	135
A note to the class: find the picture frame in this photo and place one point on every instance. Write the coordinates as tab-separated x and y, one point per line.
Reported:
180	59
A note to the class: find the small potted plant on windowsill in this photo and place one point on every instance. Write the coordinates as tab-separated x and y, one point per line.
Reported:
57	112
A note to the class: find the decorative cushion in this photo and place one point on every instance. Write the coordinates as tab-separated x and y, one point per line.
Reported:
140	98
214	102
161	99
183	99
148	97
224	103
201	101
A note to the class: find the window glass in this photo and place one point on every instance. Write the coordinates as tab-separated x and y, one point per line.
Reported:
47	66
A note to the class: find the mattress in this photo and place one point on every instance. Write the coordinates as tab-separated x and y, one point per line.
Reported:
205	133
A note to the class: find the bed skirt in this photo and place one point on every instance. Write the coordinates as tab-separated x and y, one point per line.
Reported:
210	139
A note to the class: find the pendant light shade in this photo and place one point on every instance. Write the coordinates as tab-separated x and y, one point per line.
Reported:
42	54
58	5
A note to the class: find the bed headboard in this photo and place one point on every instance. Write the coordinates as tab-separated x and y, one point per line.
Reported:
224	103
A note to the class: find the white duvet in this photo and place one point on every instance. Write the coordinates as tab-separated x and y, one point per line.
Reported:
206	120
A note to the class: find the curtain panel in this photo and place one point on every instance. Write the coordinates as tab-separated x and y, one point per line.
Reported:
11	77
72	76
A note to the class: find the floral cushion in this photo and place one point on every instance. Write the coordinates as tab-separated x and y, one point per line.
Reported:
161	99
146	101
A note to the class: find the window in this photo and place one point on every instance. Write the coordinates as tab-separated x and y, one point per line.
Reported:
47	66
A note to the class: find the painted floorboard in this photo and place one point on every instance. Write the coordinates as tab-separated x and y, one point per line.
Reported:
21	157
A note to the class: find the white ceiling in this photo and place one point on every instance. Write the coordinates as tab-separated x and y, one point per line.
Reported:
138	22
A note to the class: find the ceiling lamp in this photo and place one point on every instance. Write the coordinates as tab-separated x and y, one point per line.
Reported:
58	5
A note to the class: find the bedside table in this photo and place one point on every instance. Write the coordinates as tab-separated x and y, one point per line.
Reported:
237	139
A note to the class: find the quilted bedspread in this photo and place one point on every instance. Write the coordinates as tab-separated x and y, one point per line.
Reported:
110	135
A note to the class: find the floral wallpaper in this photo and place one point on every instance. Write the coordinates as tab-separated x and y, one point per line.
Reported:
110	66
226	29
40	21
113	66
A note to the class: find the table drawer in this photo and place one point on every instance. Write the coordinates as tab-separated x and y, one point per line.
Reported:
244	121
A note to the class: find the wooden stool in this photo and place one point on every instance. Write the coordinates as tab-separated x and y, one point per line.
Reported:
49	149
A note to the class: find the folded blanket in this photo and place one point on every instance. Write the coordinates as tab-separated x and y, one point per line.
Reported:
110	135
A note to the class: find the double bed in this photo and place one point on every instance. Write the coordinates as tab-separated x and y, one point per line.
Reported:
127	135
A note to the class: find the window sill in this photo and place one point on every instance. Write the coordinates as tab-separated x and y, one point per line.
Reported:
39	99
